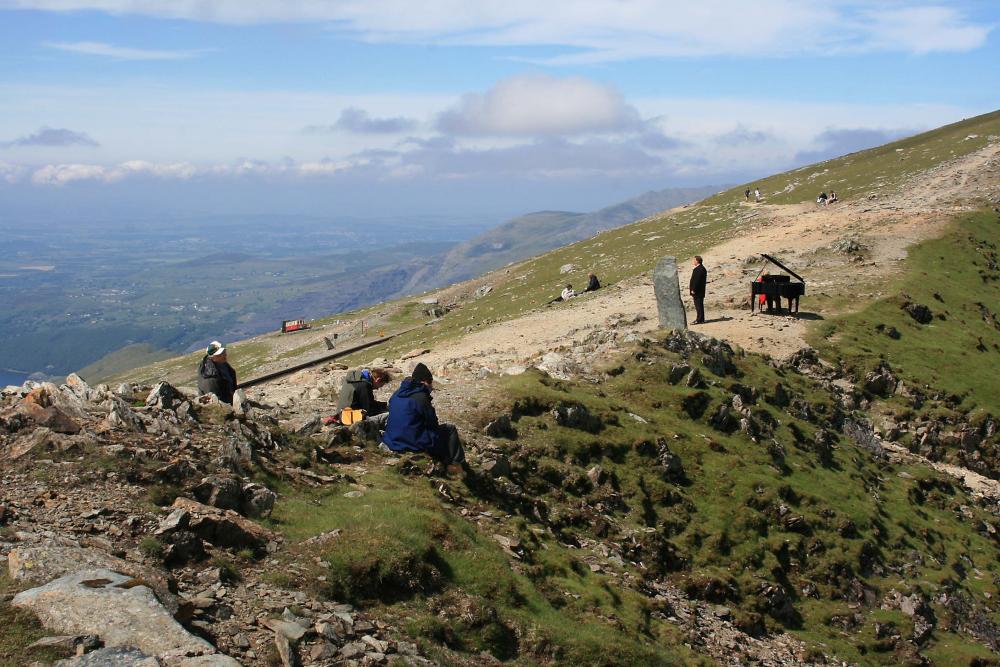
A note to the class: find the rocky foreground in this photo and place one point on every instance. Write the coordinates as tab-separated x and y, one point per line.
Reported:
120	581
138	522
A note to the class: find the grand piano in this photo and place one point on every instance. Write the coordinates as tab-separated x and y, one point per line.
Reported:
775	287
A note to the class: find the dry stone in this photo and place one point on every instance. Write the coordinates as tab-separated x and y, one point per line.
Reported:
116	607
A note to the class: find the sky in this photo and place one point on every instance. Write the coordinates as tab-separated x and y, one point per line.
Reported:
486	107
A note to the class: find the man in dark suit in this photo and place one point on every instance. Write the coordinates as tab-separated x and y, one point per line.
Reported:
699	276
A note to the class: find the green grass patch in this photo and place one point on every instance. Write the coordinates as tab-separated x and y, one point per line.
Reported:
20	629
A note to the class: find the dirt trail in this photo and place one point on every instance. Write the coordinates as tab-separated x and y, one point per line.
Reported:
800	234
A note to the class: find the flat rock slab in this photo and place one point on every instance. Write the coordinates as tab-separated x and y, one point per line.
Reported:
43	563
113	606
215	660
119	656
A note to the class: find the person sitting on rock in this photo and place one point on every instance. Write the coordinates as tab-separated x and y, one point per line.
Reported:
413	424
358	392
215	375
593	284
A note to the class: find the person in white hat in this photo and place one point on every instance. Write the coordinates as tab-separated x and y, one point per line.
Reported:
215	375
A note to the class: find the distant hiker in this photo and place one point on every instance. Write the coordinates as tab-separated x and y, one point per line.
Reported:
746	194
215	375
358	392
566	295
756	194
699	277
413	424
593	284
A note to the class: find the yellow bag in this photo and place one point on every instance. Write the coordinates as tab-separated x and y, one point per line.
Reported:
351	416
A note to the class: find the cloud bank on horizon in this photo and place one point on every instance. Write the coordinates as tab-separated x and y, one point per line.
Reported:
386	92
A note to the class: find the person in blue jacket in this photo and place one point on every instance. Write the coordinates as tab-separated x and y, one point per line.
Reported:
413	424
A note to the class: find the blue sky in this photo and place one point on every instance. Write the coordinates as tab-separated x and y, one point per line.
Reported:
444	106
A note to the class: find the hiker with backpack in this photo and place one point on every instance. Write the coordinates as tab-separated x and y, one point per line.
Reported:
413	423
215	375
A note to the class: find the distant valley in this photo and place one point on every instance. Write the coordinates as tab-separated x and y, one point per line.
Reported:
109	296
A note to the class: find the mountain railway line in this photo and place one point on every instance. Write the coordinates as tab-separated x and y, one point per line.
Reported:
273	375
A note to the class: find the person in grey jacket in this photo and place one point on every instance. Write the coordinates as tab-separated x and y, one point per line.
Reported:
358	392
215	375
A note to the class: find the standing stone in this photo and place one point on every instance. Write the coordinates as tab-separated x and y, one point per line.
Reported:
668	295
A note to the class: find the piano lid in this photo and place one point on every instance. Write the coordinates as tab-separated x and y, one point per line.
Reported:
781	266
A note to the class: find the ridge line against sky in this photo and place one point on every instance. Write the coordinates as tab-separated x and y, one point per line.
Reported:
509	97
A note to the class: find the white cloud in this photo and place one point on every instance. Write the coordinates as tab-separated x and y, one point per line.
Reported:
596	30
925	29
61	174
121	52
11	173
538	104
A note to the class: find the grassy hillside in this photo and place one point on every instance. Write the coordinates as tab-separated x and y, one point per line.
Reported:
536	233
946	362
785	522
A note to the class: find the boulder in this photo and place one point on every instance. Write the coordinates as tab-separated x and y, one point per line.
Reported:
881	381
501	427
919	312
240	402
258	501
164	396
40	407
122	418
225	492
483	291
498	466
576	416
47	561
224	528
567	268
41	439
678	372
120	609
673	469
214	660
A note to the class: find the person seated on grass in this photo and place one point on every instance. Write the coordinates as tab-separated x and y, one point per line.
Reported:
567	294
358	392
821	200
413	424
593	284
215	375
833	197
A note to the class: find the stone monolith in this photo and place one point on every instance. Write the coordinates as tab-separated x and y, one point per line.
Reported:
668	294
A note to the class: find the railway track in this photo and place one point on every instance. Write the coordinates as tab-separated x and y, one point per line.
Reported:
330	356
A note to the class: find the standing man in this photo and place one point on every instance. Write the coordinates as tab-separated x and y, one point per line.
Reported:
215	375
699	276
746	194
